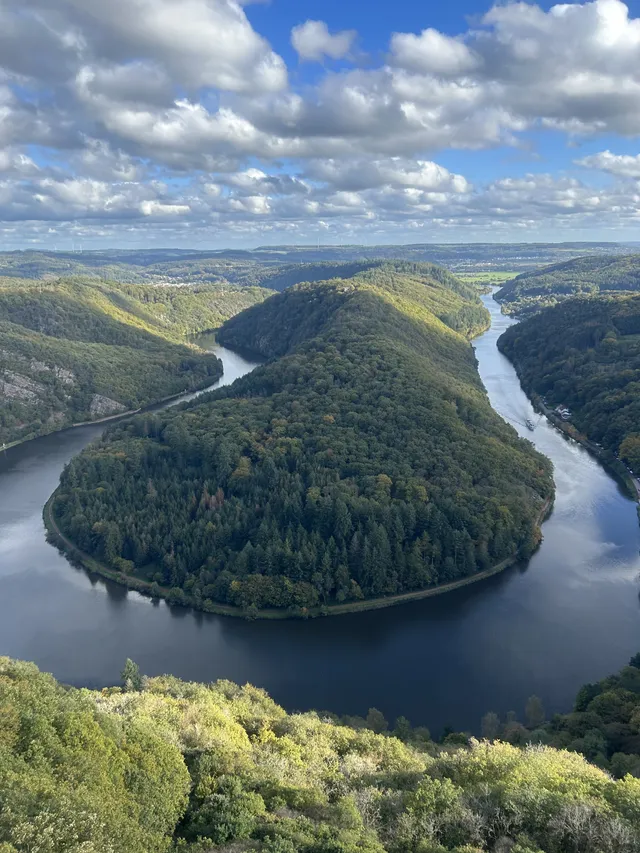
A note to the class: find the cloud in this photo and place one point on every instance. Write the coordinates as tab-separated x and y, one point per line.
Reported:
14	163
393	172
432	53
199	42
99	161
64	199
623	165
179	114
313	41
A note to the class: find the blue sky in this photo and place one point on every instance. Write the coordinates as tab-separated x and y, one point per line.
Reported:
238	122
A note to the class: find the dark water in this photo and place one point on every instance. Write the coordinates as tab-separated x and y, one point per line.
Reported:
572	615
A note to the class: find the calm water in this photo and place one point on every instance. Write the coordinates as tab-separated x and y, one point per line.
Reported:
571	615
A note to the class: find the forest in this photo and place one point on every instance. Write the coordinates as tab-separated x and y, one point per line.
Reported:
585	354
549	285
77	349
160	765
363	460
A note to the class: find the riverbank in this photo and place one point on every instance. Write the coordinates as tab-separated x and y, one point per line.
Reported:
118	415
609	462
615	467
174	597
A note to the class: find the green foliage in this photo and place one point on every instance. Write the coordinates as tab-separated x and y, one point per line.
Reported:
364	460
530	291
585	354
193	768
131	677
76	779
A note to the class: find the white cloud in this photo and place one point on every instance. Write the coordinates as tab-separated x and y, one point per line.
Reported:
103	105
16	164
98	160
313	41
624	165
200	42
152	207
432	53
393	172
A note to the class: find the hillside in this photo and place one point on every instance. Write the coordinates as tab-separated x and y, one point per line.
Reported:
581	276
165	765
363	461
265	265
73	349
585	354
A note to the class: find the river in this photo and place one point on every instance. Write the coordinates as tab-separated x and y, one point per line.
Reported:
569	616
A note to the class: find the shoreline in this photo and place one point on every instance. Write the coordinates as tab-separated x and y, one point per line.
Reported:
610	463
93	566
147	407
613	466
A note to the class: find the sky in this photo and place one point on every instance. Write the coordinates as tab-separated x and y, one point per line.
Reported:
239	123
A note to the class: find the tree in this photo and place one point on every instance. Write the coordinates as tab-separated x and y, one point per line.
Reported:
131	677
534	712
490	726
376	721
402	728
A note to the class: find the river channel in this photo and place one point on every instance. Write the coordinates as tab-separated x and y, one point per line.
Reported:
571	615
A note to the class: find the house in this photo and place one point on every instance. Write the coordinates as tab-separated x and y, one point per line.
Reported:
563	412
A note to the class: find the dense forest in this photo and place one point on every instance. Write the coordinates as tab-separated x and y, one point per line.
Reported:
163	765
75	349
585	355
547	286
362	461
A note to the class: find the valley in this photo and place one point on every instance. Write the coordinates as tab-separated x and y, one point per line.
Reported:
77	350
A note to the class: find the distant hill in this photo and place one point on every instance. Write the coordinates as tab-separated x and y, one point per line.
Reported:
586	275
585	354
363	460
268	263
73	350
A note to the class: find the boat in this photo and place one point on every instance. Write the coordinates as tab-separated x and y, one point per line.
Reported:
530	424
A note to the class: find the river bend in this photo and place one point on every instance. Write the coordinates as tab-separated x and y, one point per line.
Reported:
569	616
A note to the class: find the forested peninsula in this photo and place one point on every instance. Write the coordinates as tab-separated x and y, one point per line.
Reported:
362	461
549	285
585	355
74	350
164	765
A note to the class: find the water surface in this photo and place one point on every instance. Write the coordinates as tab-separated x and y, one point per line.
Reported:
571	615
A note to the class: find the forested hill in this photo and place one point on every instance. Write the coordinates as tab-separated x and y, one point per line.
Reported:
365	461
282	277
74	350
589	275
418	289
165	765
585	354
